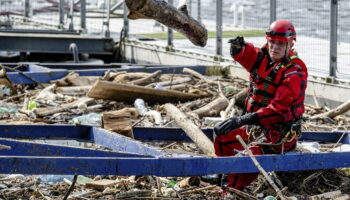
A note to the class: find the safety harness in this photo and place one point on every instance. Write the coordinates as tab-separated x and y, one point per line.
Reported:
266	88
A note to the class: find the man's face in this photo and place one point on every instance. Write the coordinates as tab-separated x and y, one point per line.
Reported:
277	50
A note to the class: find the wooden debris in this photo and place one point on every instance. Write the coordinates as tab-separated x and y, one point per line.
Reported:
129	77
334	112
147	79
335	195
171	83
257	164
198	75
212	108
73	90
168	15
64	107
240	193
73	79
210	187
119	121
134	194
193	131
101	184
129	93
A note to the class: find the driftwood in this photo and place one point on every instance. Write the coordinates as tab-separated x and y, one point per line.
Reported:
334	112
129	77
240	193
147	79
210	187
193	131
330	195
73	90
73	79
260	168
177	87
168	15
198	75
129	93
239	97
212	108
64	107
171	82
101	184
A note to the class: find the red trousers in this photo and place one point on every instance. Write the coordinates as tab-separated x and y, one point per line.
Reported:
228	145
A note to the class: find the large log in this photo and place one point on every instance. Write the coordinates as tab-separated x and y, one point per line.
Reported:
168	15
129	93
193	131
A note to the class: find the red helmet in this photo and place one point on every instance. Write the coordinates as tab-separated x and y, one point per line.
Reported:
281	30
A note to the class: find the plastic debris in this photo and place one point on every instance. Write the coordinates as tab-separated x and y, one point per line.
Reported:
32	105
50	179
310	146
92	119
8	110
140	106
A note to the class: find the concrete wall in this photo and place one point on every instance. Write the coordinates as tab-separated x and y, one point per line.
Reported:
330	92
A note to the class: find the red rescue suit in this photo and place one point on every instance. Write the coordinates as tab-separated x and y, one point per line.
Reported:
276	93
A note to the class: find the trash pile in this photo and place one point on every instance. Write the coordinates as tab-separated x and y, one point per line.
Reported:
118	101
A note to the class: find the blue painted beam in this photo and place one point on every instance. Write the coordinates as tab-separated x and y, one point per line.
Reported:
20	148
121	143
170	166
143	133
44	131
326	136
98	136
166	134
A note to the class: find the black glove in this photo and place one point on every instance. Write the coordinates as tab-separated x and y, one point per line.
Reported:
236	45
230	124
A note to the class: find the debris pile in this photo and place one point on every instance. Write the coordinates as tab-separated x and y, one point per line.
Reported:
119	101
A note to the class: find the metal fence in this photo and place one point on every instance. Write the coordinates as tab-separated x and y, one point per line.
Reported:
58	15
323	26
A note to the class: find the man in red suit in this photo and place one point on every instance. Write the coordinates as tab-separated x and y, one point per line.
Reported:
275	104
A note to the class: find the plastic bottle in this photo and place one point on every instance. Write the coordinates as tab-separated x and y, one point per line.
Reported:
139	104
51	179
92	119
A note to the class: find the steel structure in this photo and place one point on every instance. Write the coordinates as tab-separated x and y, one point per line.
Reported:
131	157
31	73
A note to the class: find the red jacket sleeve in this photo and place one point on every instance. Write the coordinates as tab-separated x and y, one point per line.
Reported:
279	109
247	56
